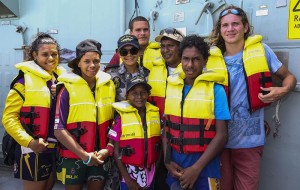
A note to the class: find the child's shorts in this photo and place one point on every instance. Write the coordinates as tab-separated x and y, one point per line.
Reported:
203	183
34	167
123	186
74	172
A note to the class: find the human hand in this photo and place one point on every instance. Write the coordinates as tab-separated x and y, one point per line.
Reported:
91	159
174	169
38	145
133	185
189	177
274	94
53	90
102	154
95	160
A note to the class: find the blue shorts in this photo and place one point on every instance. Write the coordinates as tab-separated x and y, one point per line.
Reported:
32	166
202	183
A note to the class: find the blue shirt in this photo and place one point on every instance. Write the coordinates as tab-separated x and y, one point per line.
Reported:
245	130
212	169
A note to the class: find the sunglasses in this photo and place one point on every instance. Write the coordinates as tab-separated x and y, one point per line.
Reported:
132	51
232	11
170	31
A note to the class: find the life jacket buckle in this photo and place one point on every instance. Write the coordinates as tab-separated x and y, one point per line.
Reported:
81	131
176	141
30	114
127	151
34	127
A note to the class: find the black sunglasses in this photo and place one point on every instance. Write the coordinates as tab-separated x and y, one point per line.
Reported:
132	51
170	31
232	11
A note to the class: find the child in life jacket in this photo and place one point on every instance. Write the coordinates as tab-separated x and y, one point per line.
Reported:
136	135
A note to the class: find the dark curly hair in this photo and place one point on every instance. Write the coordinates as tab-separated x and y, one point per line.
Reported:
40	39
194	41
216	39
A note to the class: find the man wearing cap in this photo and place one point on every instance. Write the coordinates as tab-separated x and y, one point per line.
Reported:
149	52
169	40
80	123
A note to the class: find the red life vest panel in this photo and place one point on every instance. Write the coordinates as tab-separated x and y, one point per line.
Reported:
190	124
192	136
257	73
34	114
140	152
36	120
139	145
86	111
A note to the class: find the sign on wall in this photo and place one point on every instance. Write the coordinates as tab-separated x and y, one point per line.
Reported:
294	20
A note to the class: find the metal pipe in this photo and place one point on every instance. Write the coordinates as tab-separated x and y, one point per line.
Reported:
122	17
204	8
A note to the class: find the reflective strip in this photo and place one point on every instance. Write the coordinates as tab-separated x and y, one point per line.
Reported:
149	80
37	90
83	103
133	123
205	100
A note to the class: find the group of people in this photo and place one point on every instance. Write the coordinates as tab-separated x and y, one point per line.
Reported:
177	113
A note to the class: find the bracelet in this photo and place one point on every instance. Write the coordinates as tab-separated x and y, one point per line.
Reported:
89	160
109	144
110	148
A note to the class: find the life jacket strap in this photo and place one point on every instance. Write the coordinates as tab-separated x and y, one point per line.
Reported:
191	141
31	127
263	80
183	127
127	151
77	132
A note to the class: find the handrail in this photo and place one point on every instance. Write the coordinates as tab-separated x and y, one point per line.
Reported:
205	8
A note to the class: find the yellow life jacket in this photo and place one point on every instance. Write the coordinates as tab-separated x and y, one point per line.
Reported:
256	69
190	124
152	55
140	146
35	112
157	79
89	117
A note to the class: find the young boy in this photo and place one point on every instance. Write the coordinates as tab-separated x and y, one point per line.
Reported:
136	133
196	116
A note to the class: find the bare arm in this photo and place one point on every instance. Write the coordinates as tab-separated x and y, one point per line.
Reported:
174	169
104	153
65	138
275	93
190	174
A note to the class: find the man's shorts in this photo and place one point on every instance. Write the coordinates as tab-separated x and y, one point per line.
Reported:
203	183
74	172
32	166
